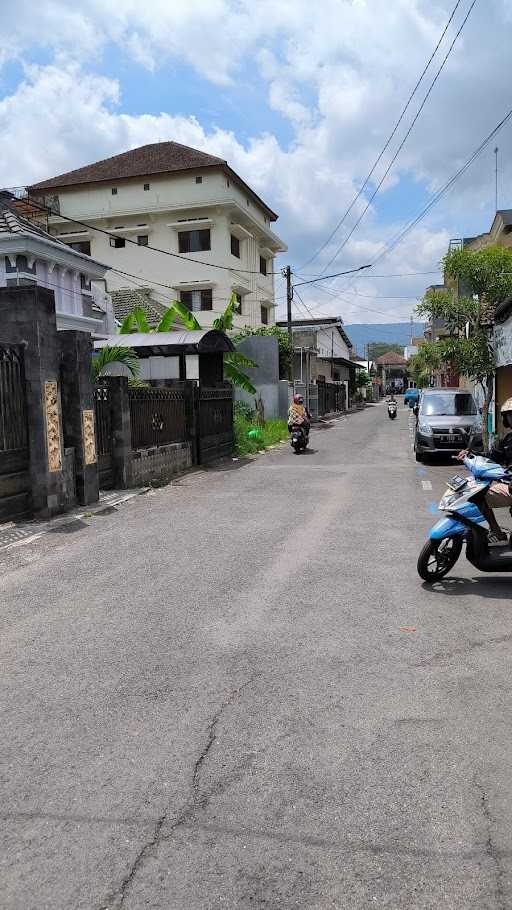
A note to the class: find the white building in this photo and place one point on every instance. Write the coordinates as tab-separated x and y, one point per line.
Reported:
181	201
29	255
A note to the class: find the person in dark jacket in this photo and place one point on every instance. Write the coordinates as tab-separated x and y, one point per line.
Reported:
500	492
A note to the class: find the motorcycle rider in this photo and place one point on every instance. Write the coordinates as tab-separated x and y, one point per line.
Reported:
298	415
500	493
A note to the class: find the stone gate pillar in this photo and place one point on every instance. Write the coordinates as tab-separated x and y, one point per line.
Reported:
78	411
27	318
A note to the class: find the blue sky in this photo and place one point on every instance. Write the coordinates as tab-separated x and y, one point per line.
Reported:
299	98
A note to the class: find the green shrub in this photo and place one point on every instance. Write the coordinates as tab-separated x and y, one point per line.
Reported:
242	409
272	433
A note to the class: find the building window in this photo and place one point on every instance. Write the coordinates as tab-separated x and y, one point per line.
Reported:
117	242
85	283
114	190
264	315
263	265
235	246
199	179
197	300
146	187
228	183
238	308
194	241
83	247
142	239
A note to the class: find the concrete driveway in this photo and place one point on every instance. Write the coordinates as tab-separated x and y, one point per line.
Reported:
236	693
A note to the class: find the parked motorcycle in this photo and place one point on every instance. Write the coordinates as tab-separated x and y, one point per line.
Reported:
299	438
465	522
392	410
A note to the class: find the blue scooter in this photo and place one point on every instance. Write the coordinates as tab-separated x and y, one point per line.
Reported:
463	502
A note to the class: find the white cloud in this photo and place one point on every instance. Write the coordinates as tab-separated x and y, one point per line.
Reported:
337	71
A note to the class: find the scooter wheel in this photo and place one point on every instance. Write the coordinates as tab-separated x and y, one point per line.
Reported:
436	559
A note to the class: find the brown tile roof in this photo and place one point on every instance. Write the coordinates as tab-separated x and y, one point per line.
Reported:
156	158
391	359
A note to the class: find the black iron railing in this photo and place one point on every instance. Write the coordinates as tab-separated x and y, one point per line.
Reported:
103	420
158	417
13	418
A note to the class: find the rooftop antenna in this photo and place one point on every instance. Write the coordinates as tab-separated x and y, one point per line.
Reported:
496	150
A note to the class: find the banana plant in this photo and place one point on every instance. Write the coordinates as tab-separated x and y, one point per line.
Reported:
234	362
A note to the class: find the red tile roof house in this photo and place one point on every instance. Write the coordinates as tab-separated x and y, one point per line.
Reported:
391	369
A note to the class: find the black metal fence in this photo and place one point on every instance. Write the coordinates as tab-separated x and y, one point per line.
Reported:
331	397
215	431
13	418
104	434
158	416
15	489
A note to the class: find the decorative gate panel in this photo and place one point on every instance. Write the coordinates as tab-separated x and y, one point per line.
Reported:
15	490
215	424
104	440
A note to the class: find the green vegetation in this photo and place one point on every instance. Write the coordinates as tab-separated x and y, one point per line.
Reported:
273	432
136	322
378	348
105	357
285	349
486	276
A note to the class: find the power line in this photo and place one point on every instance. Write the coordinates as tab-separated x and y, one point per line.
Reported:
441	192
371	277
337	275
388	141
155	249
404	140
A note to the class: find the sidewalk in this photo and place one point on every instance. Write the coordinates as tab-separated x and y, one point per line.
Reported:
19	533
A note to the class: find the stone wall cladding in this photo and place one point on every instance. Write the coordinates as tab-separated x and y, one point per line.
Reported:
160	464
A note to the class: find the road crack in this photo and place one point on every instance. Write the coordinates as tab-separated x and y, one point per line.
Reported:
197	800
490	847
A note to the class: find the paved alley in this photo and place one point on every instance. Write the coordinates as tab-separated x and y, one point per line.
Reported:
234	693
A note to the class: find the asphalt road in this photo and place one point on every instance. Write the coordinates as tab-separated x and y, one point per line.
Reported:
236	693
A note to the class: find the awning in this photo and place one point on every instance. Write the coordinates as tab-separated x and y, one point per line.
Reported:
169	344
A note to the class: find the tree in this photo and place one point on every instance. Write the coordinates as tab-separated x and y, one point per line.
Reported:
422	364
362	380
234	362
486	277
285	348
108	356
377	348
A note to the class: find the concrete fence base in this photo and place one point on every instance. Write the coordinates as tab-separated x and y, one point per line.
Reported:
159	464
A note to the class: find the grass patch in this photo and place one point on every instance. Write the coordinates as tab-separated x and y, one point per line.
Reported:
273	432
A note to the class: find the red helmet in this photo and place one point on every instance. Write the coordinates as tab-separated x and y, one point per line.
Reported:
298	399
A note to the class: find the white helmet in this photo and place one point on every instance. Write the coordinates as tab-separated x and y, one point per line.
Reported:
506	413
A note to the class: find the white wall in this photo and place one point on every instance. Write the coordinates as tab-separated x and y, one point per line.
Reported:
330	343
170	199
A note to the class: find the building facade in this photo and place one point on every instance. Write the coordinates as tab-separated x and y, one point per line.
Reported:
30	256
322	352
211	234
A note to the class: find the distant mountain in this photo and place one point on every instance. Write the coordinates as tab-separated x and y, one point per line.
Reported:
390	332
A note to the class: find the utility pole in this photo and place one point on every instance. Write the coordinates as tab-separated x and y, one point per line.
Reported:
496	150
287	273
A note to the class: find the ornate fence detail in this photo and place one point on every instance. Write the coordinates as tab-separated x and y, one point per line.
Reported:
158	417
215	423
104	435
13	419
15	491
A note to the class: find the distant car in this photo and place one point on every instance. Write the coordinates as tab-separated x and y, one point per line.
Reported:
448	420
411	397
